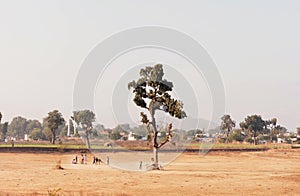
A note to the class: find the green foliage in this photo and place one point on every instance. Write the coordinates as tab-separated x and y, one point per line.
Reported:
115	135
32	124
37	134
153	87
64	131
85	119
236	135
249	140
17	127
53	121
254	125
4	128
227	125
141	130
47	134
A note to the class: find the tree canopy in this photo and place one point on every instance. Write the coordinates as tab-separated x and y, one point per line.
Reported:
254	125
151	86
85	119
227	125
53	121
17	127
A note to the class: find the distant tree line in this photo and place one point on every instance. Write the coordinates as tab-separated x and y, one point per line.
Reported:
252	129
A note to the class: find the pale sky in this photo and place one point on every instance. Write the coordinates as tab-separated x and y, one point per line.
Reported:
255	45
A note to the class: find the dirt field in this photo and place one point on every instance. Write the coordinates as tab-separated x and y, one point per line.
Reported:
247	173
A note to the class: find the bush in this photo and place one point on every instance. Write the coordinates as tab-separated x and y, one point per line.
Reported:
249	140
36	134
236	136
115	135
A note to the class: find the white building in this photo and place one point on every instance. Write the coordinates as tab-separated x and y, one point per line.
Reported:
131	137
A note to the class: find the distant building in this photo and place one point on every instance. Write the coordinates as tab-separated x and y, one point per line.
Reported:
280	140
131	137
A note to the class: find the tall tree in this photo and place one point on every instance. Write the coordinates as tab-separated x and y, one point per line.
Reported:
3	128
53	121
298	130
85	119
270	126
17	127
254	125
227	125
152	93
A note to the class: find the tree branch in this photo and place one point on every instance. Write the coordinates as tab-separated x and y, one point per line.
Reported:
168	136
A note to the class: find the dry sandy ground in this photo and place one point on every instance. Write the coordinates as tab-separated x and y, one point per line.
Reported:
220	173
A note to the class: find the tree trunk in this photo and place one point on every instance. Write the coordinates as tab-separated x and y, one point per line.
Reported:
155	155
87	139
154	141
227	135
53	137
88	142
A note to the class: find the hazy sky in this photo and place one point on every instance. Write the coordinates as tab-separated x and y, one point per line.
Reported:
255	45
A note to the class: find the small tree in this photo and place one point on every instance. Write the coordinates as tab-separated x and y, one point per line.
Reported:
85	118
152	93
254	125
53	121
227	125
270	128
236	135
36	134
115	135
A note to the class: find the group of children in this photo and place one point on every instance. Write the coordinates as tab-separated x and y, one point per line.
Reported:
96	160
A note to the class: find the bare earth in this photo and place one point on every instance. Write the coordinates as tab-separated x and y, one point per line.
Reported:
219	173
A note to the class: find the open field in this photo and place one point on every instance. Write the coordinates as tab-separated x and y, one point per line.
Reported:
273	172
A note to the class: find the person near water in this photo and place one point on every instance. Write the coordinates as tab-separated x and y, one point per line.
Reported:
74	161
107	160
